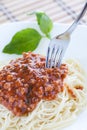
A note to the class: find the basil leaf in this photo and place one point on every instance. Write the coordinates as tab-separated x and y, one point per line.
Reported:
23	41
39	15
45	23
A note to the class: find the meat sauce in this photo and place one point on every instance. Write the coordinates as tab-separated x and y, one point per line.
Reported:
25	81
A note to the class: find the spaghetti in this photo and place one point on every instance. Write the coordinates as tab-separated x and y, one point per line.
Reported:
54	114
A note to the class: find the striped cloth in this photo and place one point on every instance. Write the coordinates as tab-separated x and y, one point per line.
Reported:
62	11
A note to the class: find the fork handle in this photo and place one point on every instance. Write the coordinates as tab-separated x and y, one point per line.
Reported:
74	25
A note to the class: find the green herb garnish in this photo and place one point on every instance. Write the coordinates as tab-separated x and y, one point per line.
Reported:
44	23
23	41
29	38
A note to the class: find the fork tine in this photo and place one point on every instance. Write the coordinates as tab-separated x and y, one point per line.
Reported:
52	57
47	58
60	58
55	57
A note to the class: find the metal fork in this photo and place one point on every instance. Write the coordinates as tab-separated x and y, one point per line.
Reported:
59	44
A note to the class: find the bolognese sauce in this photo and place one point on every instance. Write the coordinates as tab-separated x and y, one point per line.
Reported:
25	81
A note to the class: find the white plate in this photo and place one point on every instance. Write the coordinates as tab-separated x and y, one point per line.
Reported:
77	50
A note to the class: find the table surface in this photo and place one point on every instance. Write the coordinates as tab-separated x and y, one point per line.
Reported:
61	11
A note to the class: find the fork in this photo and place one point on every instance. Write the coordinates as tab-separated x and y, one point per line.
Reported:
58	45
